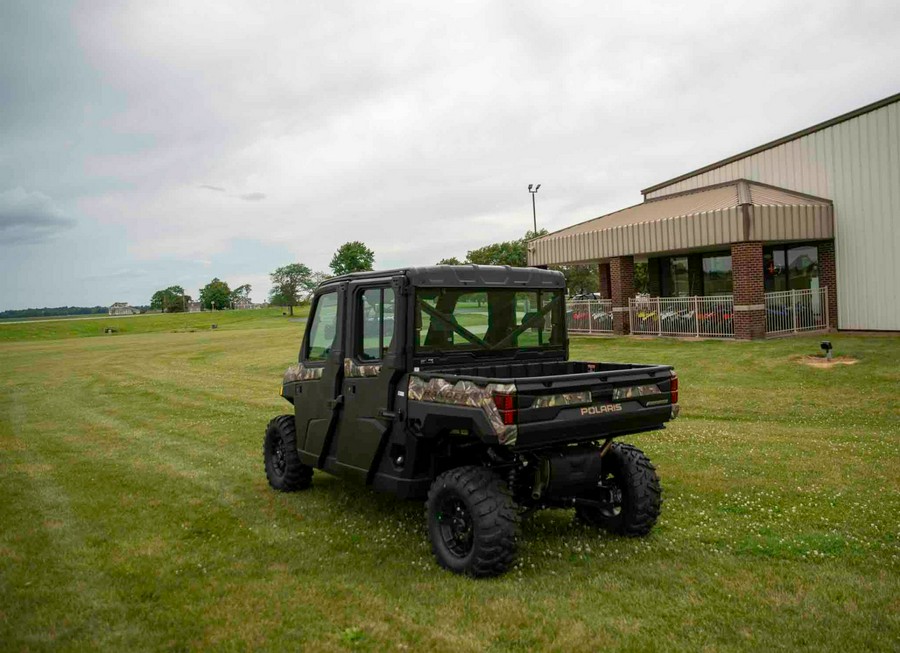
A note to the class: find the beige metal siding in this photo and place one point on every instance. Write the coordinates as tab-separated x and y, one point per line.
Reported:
855	163
707	229
692	203
773	223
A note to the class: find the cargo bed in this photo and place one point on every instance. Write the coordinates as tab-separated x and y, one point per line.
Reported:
571	401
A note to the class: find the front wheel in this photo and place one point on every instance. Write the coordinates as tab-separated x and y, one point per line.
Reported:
472	522
284	470
629	476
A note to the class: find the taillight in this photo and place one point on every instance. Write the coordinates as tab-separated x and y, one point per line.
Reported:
506	404
674	389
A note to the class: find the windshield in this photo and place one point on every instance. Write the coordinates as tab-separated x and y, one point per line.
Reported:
471	319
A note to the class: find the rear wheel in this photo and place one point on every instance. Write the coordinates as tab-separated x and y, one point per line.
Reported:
284	470
630	478
472	522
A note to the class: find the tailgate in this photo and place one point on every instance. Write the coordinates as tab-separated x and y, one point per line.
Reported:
613	400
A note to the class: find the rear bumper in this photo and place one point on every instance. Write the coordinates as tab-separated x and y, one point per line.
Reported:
563	424
571	426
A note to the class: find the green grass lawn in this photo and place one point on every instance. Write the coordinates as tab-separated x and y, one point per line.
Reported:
81	326
135	514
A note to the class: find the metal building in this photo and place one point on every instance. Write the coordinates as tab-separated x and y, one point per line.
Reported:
825	196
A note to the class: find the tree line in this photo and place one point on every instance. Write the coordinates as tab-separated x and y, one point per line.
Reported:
54	312
579	278
291	284
294	283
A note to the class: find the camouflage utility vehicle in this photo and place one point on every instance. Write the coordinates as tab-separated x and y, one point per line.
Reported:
452	384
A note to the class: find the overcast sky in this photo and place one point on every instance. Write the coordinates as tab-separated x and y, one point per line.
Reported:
145	144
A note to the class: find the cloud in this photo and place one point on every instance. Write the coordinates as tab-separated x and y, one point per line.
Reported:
29	217
248	197
415	127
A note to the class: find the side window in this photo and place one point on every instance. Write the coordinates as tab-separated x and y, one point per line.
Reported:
323	331
376	314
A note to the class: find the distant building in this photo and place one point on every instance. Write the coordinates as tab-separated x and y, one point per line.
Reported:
122	308
242	303
195	307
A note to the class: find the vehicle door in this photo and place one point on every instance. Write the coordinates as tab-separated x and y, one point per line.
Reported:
317	399
366	384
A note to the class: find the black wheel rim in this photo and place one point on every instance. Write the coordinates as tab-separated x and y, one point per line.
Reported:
455	525
614	508
278	462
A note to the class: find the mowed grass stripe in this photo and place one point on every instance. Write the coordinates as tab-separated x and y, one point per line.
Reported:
62	546
268	318
125	486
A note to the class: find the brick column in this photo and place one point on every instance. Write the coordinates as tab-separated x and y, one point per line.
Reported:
748	291
605	287
621	276
828	277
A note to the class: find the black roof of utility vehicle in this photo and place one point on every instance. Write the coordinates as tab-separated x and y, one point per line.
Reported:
461	276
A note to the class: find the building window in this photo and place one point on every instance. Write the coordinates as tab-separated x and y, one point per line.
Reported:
675	279
695	274
641	279
717	274
791	267
803	267
774	270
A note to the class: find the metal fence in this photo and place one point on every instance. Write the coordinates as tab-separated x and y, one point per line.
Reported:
589	316
792	311
709	317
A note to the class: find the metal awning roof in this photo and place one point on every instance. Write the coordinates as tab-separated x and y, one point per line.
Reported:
737	211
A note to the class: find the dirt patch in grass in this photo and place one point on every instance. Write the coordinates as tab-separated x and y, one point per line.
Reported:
823	363
34	470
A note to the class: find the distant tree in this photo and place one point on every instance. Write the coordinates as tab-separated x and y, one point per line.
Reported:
641	278
215	295
289	284
580	278
450	261
170	300
278	299
513	252
352	257
317	279
241	292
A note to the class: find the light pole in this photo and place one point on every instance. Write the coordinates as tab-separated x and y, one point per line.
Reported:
533	190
